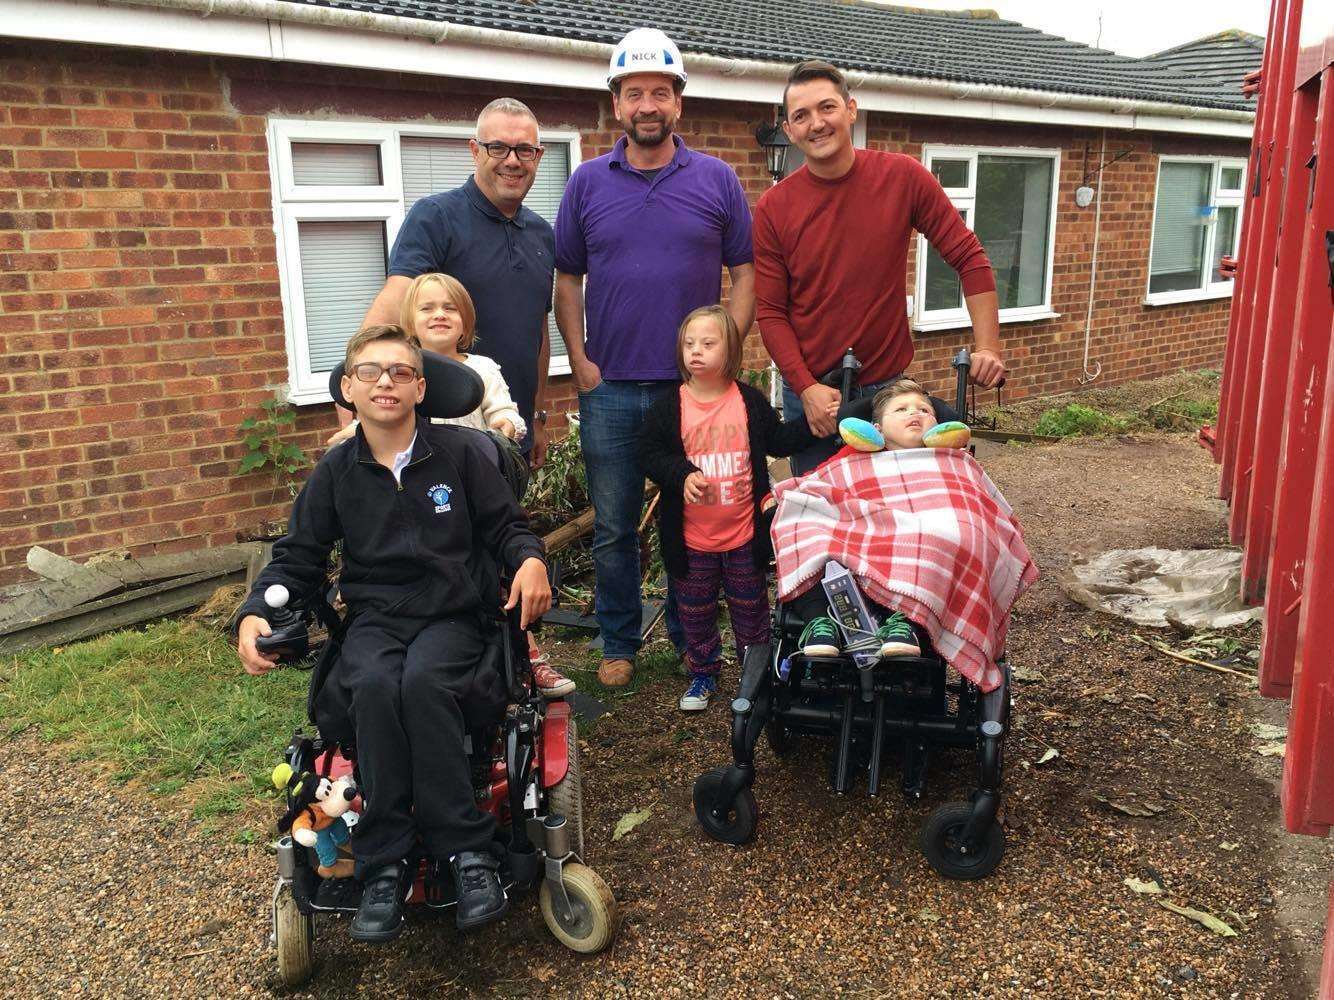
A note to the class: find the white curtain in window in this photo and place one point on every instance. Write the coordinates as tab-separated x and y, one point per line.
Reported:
343	267
1179	227
342	164
432	165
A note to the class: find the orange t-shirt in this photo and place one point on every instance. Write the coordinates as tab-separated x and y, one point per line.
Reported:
717	442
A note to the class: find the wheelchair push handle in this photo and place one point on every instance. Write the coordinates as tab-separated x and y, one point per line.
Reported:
963	365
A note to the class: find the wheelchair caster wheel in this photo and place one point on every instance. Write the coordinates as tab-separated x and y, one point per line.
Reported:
590	923
944	851
293	938
736	825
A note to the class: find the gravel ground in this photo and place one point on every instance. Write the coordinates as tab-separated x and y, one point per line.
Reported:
108	893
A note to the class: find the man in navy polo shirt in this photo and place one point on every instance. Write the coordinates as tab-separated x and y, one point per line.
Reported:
503	254
642	236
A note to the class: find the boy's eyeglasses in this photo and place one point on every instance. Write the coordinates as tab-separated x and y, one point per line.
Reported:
369	371
501	150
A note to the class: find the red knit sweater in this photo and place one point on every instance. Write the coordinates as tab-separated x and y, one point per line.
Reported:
831	259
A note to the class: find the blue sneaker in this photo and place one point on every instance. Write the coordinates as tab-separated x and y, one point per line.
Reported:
702	688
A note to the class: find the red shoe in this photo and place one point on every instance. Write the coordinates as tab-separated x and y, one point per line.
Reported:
549	683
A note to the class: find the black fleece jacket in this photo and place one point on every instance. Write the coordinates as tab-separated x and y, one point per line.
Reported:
662	456
424	548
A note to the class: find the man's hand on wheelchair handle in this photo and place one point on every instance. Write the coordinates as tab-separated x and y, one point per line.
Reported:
987	368
255	662
530	591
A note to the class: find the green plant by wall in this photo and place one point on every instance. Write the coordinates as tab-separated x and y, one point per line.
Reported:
1074	419
262	435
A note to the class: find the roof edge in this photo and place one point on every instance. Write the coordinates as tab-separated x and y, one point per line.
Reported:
1136	113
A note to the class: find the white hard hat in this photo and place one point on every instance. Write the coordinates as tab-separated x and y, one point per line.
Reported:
645	50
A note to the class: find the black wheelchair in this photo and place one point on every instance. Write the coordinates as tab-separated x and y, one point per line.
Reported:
908	703
523	753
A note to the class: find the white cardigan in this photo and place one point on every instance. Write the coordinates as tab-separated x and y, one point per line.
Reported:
496	401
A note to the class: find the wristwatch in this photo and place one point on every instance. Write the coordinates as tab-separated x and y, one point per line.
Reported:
540	417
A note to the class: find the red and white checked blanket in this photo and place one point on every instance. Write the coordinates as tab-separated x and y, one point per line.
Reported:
926	533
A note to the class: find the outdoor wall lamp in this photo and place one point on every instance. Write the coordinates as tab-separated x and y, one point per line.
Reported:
774	143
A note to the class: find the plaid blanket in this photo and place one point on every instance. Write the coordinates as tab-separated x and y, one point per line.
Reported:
926	532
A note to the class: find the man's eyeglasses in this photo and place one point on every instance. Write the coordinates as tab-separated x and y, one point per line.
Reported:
369	371
502	150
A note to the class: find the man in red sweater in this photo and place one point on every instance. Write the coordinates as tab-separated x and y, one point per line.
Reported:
831	253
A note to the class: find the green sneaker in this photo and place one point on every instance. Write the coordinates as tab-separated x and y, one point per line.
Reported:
897	638
820	637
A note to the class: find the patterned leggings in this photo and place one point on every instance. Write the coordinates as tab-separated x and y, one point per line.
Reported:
697	601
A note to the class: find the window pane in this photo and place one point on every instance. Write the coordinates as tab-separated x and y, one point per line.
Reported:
336	163
1225	240
1230	180
951	173
1013	223
342	269
432	165
1179	227
943	290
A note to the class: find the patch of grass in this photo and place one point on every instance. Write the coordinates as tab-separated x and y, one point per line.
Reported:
1179	414
167	706
656	661
1077	419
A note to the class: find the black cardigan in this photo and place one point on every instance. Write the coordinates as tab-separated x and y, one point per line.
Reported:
663	458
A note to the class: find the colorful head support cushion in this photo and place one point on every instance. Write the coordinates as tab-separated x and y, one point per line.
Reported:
950	434
863	435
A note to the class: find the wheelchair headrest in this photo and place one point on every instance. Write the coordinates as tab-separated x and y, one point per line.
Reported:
452	389
862	409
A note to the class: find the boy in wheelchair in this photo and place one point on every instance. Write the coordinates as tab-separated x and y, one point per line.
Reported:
895	558
929	538
423	514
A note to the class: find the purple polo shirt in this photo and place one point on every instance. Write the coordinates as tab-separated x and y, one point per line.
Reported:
653	250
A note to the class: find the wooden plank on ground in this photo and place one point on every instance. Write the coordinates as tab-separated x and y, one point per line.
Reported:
93	582
119	611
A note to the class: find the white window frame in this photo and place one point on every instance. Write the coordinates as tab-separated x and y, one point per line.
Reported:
965	200
294	203
1219	198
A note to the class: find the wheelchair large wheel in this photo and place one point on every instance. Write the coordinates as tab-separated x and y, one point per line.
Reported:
566	797
736	825
591	923
293	938
943	850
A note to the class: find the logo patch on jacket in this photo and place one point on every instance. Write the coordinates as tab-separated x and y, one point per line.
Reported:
439	495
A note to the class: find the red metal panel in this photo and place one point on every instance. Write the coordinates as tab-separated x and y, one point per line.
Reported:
1308	771
1241	425
1243	292
1315	42
1275	372
1293	463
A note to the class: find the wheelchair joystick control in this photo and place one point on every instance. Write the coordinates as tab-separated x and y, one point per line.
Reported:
289	638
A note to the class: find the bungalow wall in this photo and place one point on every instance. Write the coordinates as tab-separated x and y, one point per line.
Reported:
140	304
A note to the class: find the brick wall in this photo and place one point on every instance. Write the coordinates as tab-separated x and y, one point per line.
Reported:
140	311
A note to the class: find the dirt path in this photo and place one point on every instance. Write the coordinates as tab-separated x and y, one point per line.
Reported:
105	894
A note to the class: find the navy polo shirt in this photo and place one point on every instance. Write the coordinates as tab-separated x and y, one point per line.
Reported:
506	266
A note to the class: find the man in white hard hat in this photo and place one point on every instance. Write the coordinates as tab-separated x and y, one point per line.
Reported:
642	236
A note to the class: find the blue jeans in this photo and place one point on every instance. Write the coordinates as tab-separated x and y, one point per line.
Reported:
611	416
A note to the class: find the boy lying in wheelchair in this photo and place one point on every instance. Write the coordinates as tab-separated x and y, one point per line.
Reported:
422	512
895	558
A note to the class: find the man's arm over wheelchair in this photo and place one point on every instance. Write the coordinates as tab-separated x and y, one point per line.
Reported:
300	562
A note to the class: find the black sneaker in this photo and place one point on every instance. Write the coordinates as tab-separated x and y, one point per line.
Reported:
380	915
482	898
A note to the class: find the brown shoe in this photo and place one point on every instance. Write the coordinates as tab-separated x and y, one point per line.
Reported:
616	673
